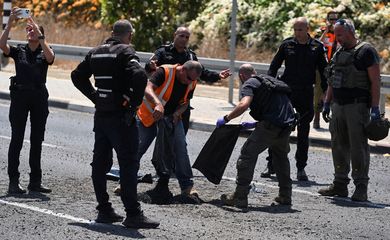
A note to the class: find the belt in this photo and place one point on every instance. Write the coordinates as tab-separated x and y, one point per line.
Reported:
301	87
26	86
351	101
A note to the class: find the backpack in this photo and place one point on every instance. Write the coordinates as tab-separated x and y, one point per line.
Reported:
263	94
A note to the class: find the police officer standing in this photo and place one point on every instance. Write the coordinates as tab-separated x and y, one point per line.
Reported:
28	94
302	56
354	87
120	83
276	118
179	53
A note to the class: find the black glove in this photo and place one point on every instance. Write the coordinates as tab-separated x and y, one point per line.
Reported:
326	112
129	116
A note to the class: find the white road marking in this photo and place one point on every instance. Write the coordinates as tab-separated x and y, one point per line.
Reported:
48	212
43	144
368	204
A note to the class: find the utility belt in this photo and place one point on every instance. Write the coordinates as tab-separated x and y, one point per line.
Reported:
16	86
283	130
351	101
301	87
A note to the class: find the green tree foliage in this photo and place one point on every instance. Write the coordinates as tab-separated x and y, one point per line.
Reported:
154	20
264	23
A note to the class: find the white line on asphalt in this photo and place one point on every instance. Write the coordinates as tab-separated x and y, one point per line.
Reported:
43	144
368	204
47	211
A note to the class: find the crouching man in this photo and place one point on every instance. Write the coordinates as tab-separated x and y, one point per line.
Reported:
270	105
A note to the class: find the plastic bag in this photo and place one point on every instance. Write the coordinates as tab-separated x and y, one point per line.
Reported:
215	154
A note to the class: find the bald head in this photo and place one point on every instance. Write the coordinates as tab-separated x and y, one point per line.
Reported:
122	29
246	71
301	28
344	31
301	20
182	30
181	38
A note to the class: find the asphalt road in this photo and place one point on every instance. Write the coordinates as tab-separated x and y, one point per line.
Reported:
67	212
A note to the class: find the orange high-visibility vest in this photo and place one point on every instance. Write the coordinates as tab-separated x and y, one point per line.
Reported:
330	45
163	92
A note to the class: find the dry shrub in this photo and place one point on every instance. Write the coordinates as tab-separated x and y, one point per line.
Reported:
58	32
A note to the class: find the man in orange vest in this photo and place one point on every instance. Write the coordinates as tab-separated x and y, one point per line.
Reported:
166	97
329	40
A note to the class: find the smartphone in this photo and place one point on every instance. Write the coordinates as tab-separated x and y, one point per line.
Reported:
23	13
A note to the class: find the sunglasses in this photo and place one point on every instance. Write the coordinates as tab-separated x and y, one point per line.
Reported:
347	25
184	36
333	19
189	79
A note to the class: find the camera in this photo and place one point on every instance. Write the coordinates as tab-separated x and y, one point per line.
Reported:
23	13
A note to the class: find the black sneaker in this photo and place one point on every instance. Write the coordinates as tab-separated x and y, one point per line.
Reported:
38	188
158	195
15	188
282	200
301	175
108	217
139	221
267	173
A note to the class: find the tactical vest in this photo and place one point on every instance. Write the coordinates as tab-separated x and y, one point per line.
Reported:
344	74
263	95
163	92
112	90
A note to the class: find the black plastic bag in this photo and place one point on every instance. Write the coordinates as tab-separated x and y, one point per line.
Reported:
164	155
215	154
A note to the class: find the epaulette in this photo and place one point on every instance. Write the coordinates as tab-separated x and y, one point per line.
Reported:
191	51
165	46
288	39
316	42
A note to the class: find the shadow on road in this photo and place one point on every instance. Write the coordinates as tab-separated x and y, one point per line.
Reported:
109	229
308	183
273	208
33	196
347	202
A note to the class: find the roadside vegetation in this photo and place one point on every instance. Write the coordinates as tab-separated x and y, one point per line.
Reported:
261	24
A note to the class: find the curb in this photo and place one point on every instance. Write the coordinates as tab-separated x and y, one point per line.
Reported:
205	127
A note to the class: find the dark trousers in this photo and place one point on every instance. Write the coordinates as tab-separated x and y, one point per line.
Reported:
185	117
265	135
112	132
24	102
302	101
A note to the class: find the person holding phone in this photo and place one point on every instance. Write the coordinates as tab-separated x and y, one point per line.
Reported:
28	95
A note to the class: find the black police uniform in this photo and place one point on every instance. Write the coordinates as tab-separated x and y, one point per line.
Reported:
301	62
28	94
120	82
167	54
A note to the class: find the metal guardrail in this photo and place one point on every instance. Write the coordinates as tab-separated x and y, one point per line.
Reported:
71	52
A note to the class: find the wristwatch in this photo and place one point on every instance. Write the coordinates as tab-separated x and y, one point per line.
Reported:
41	37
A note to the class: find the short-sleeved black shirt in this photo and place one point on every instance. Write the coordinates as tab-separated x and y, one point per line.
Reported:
168	54
178	91
280	112
30	66
365	57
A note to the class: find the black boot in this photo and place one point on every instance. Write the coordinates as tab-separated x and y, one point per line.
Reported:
38	187
160	194
269	170
140	221
15	188
108	216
